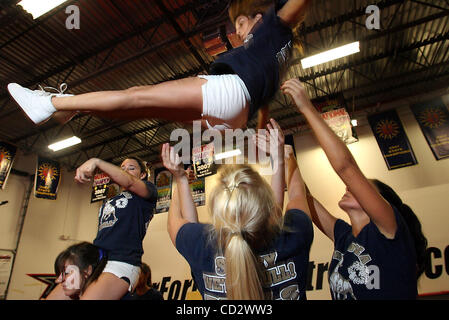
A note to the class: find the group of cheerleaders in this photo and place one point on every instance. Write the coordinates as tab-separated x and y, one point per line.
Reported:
251	236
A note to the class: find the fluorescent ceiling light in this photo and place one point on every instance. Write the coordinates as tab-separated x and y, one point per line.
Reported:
354	122
228	154
39	7
64	143
330	55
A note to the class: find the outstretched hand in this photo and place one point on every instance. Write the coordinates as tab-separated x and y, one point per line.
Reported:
296	90
172	161
273	139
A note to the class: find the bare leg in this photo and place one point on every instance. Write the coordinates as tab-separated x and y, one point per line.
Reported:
107	287
172	100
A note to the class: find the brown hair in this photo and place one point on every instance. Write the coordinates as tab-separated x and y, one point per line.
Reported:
144	281
249	8
142	164
83	255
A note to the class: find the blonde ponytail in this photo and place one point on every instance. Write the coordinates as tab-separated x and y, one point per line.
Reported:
245	217
243	281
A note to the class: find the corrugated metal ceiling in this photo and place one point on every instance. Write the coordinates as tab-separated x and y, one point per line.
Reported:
126	43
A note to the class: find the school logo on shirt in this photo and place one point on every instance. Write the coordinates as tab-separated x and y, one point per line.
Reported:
359	273
276	274
107	213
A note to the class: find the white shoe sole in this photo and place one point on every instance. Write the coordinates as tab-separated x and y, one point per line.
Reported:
14	91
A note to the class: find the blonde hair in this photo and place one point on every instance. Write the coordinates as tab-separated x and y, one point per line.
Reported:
245	217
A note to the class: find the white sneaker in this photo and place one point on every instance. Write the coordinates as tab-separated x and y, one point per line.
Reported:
36	104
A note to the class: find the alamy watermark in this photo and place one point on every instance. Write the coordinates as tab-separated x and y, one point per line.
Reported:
373	21
71	278
227	141
73	21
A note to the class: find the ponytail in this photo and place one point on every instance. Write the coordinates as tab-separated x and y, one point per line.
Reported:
243	281
245	219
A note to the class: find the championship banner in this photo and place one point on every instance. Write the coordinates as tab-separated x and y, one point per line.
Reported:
101	187
163	182
392	140
7	155
433	119
340	122
203	161
197	187
48	174
328	103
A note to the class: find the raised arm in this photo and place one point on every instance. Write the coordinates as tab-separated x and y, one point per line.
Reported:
293	12
182	208
274	140
297	195
129	182
341	159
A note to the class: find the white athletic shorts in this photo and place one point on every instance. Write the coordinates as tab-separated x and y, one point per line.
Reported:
225	101
124	271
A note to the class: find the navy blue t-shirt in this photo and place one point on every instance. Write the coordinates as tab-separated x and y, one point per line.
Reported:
123	223
286	261
260	61
371	266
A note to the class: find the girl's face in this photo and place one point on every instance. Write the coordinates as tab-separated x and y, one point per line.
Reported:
348	202
132	167
70	279
244	25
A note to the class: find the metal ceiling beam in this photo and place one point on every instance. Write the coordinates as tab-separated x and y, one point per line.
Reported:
356	13
383	55
181	33
113	139
97	50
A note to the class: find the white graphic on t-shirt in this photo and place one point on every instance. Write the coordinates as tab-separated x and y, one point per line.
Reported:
360	273
275	274
107	212
338	284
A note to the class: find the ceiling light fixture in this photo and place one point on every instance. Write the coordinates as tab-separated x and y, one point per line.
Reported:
64	143
330	55
38	8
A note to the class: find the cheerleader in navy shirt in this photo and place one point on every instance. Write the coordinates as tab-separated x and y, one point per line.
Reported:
123	222
240	81
249	251
380	254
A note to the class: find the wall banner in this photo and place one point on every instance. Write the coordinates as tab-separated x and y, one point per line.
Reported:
48	175
102	187
7	156
433	119
197	187
163	182
203	161
392	140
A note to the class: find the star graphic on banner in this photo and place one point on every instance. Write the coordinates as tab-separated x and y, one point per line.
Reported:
48	279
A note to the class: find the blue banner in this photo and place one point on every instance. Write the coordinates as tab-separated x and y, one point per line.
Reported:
392	140
48	175
433	119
